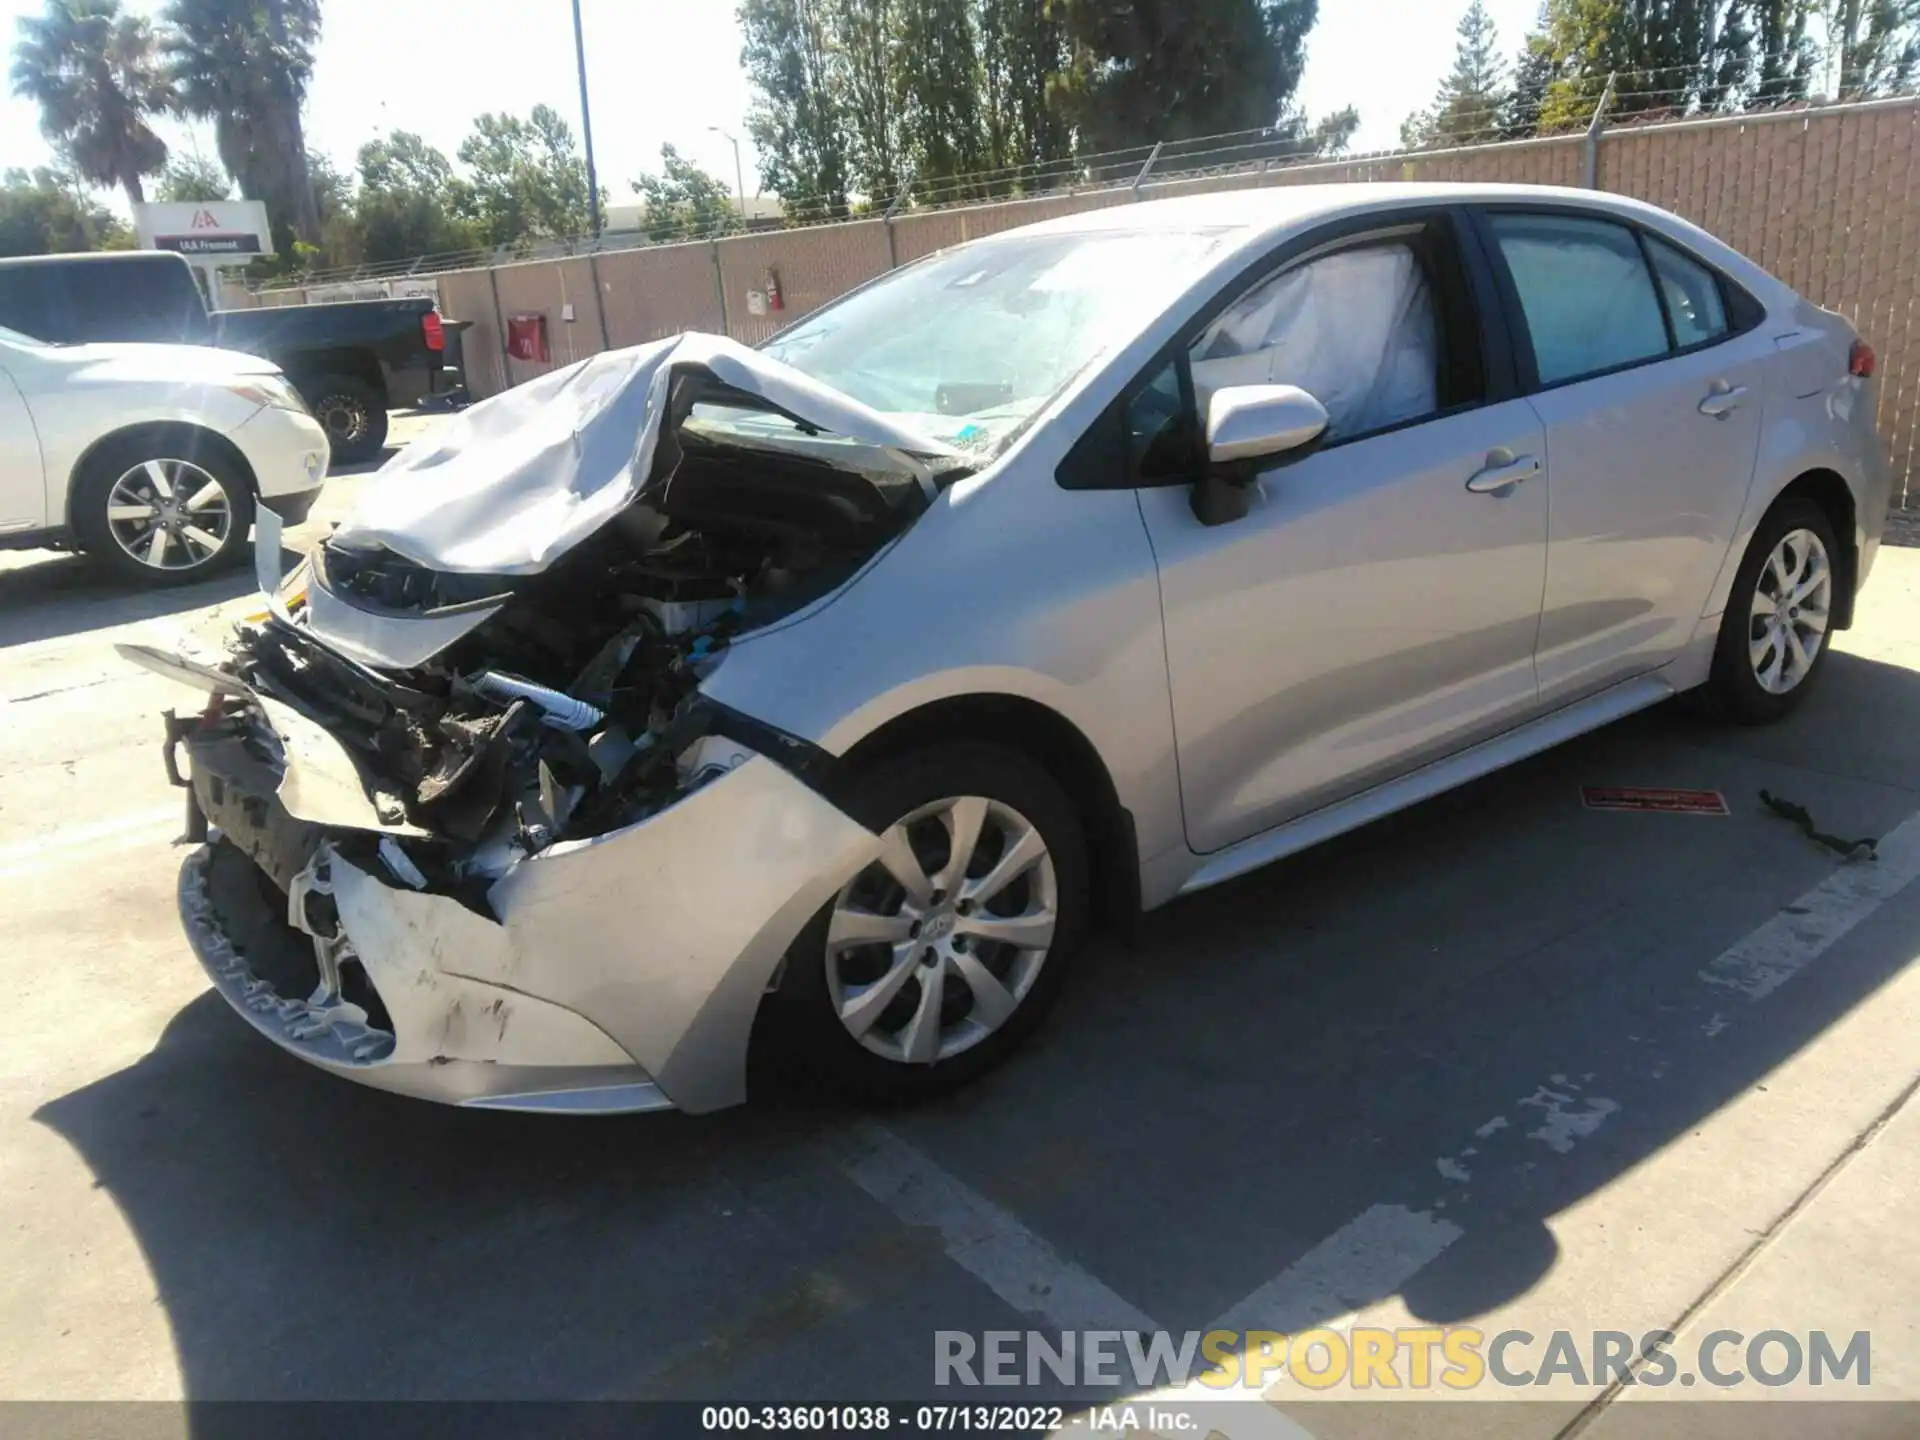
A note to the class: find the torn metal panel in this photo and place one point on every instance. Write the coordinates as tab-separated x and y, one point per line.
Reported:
668	932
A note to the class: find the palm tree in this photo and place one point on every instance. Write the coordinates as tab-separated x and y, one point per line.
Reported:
96	76
245	64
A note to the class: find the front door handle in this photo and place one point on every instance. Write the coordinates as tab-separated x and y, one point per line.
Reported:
1504	471
1724	400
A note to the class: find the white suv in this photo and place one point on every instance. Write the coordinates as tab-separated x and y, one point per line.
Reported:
151	457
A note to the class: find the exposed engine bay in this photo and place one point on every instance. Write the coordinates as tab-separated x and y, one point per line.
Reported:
563	703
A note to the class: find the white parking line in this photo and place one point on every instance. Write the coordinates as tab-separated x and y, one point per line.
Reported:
1375	1254
1804	930
984	1240
1367	1259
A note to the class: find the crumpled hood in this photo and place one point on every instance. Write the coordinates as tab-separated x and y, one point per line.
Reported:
518	480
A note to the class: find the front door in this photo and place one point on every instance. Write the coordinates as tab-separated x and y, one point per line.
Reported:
1371	612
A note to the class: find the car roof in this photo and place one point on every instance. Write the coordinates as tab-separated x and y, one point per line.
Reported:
1260	215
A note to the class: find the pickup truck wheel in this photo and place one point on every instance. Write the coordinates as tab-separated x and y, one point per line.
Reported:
161	517
354	417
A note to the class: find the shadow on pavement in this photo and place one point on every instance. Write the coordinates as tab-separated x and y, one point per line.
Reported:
66	594
364	467
1268	1061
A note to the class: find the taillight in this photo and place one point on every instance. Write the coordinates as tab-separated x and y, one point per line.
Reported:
1861	362
435	333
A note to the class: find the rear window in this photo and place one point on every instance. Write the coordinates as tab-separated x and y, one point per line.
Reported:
152	299
1588	297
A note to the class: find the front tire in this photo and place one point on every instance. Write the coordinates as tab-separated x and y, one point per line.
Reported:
162	509
1774	636
939	958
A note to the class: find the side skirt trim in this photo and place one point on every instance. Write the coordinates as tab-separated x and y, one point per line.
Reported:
1530	739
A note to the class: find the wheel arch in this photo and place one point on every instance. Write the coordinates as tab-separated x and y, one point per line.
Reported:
311	367
1828	490
192	439
1048	738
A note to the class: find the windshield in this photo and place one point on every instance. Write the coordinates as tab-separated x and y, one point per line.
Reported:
968	345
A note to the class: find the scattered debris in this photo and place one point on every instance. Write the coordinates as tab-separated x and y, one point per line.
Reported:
1798	814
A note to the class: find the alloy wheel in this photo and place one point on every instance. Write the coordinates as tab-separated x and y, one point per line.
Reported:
1792	603
169	514
345	419
932	948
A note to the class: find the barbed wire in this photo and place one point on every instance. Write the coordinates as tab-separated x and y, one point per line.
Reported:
1287	145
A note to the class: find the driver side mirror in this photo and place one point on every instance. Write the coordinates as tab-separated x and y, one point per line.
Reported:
1247	424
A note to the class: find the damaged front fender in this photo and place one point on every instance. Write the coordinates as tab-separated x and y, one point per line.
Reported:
619	973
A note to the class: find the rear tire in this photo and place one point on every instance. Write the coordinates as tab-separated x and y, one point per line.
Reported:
1774	636
351	412
976	939
162	509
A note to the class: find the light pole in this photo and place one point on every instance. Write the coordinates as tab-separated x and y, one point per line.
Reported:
739	182
586	124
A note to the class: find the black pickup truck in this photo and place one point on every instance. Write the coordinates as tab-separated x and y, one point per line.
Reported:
351	362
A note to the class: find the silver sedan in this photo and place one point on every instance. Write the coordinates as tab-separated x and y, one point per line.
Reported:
817	701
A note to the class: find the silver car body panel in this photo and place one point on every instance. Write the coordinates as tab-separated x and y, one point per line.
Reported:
636	959
1370	634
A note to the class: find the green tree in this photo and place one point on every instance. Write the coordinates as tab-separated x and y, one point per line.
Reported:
194	177
795	120
245	65
1173	69
865	69
1874	45
47	212
1473	97
529	180
409	203
938	95
1022	48
1534	72
96	75
684	201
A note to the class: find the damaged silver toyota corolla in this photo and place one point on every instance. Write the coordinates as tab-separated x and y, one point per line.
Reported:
693	698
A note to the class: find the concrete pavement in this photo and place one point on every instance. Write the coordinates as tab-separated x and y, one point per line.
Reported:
1278	1105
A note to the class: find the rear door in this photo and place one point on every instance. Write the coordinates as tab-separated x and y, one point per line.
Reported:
1651	395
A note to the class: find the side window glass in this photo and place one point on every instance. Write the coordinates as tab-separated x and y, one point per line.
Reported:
1584	287
1357	330
1160	442
1692	294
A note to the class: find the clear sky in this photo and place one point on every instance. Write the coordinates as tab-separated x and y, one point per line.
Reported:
666	70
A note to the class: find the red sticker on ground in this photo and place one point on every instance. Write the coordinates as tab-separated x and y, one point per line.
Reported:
1668	802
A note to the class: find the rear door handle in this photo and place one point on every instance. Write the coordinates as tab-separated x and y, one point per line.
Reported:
1723	401
1504	474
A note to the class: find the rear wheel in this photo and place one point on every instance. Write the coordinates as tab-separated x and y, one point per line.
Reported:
943	954
162	510
352	413
1773	638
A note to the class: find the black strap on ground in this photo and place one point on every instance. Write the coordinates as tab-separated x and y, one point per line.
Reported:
1845	849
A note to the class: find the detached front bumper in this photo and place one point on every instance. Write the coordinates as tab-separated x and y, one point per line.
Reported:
615	974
